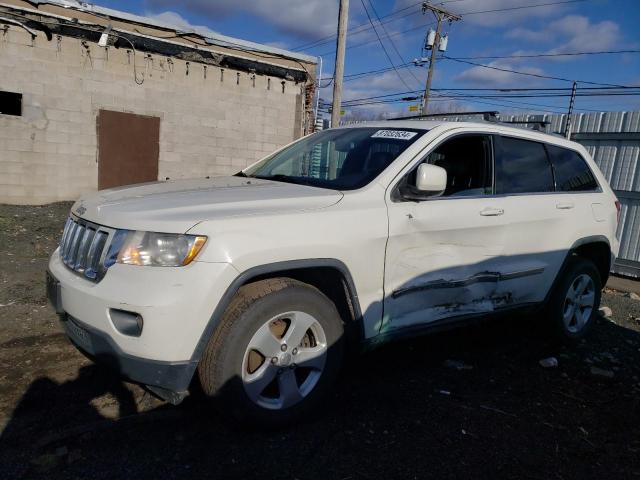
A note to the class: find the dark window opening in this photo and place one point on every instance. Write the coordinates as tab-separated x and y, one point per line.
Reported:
522	166
571	171
467	160
10	103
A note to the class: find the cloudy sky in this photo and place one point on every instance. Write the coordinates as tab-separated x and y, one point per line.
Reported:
489	28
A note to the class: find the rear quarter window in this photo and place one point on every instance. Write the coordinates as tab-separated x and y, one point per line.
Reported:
571	171
522	166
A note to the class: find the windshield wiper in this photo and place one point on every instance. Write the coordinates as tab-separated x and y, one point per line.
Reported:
240	174
283	178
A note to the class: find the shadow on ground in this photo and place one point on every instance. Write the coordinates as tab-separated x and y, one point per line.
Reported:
403	411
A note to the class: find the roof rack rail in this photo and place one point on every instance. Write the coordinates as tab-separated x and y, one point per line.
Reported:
489	116
537	124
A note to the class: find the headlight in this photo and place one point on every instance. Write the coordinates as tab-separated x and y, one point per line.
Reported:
160	249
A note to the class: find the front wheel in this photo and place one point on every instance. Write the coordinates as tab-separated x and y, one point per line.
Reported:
275	354
574	303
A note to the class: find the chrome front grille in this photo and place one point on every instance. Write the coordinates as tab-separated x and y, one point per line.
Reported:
84	248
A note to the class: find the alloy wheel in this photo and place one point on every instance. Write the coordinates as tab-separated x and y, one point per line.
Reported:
579	303
284	360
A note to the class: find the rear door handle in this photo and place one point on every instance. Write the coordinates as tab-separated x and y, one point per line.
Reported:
491	212
565	206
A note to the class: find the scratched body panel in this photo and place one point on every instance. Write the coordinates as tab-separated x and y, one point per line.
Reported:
445	259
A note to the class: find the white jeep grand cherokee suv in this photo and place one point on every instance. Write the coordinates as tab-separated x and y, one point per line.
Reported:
253	283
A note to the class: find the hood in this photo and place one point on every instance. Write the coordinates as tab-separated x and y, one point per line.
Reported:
176	206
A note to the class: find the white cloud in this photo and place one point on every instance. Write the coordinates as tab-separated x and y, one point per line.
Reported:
176	20
572	33
585	36
527	35
384	83
514	14
308	20
498	78
280	45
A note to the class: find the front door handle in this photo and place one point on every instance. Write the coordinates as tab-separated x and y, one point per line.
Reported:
491	212
565	206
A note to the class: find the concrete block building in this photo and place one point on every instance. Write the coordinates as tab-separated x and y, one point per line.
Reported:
92	98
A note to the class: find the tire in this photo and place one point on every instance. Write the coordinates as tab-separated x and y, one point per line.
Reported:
574	303
251	374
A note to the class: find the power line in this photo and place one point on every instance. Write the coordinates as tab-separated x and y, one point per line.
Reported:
517	105
604	92
537	75
410	64
364	26
419	27
542	55
505	93
404	62
521	7
382	45
356	29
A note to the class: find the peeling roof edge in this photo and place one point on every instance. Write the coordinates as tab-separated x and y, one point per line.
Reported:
216	39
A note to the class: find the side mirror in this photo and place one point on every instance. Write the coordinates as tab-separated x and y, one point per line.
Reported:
431	180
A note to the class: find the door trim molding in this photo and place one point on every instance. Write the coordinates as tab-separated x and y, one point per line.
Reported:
482	277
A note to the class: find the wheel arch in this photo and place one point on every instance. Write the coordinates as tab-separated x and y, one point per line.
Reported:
596	248
321	273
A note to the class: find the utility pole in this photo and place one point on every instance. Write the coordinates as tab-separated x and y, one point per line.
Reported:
338	72
567	125
441	14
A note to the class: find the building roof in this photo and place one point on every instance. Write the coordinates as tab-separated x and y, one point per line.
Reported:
210	37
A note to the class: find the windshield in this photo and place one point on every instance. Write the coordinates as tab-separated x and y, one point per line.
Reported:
341	159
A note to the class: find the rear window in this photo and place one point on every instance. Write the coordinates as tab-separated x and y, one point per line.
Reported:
522	166
571	171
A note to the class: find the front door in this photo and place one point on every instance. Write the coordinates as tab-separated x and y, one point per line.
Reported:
444	254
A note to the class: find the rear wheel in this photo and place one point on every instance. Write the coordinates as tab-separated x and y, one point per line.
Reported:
574	304
275	353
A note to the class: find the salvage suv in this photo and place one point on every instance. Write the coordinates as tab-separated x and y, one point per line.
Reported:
254	284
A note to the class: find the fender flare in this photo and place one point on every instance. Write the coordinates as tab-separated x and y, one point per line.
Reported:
270	268
576	244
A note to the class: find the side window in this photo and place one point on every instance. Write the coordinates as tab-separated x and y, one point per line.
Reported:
522	166
571	171
467	160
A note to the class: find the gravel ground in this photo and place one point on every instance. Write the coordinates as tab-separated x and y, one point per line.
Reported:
472	402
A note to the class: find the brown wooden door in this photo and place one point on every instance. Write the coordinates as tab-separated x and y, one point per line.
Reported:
128	148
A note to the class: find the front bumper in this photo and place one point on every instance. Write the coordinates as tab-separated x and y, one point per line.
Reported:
169	380
176	305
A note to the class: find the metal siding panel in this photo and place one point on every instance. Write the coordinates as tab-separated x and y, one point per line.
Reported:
612	122
630	230
604	154
591	122
626	167
632	122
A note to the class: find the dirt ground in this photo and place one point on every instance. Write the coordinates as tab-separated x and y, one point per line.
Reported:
470	403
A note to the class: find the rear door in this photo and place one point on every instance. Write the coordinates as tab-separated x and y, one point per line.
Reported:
538	220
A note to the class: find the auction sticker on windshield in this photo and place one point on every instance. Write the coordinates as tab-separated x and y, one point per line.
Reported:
397	134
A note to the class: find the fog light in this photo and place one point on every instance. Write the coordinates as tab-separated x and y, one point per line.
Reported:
127	323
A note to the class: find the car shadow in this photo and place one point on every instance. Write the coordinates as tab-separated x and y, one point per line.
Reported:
469	402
